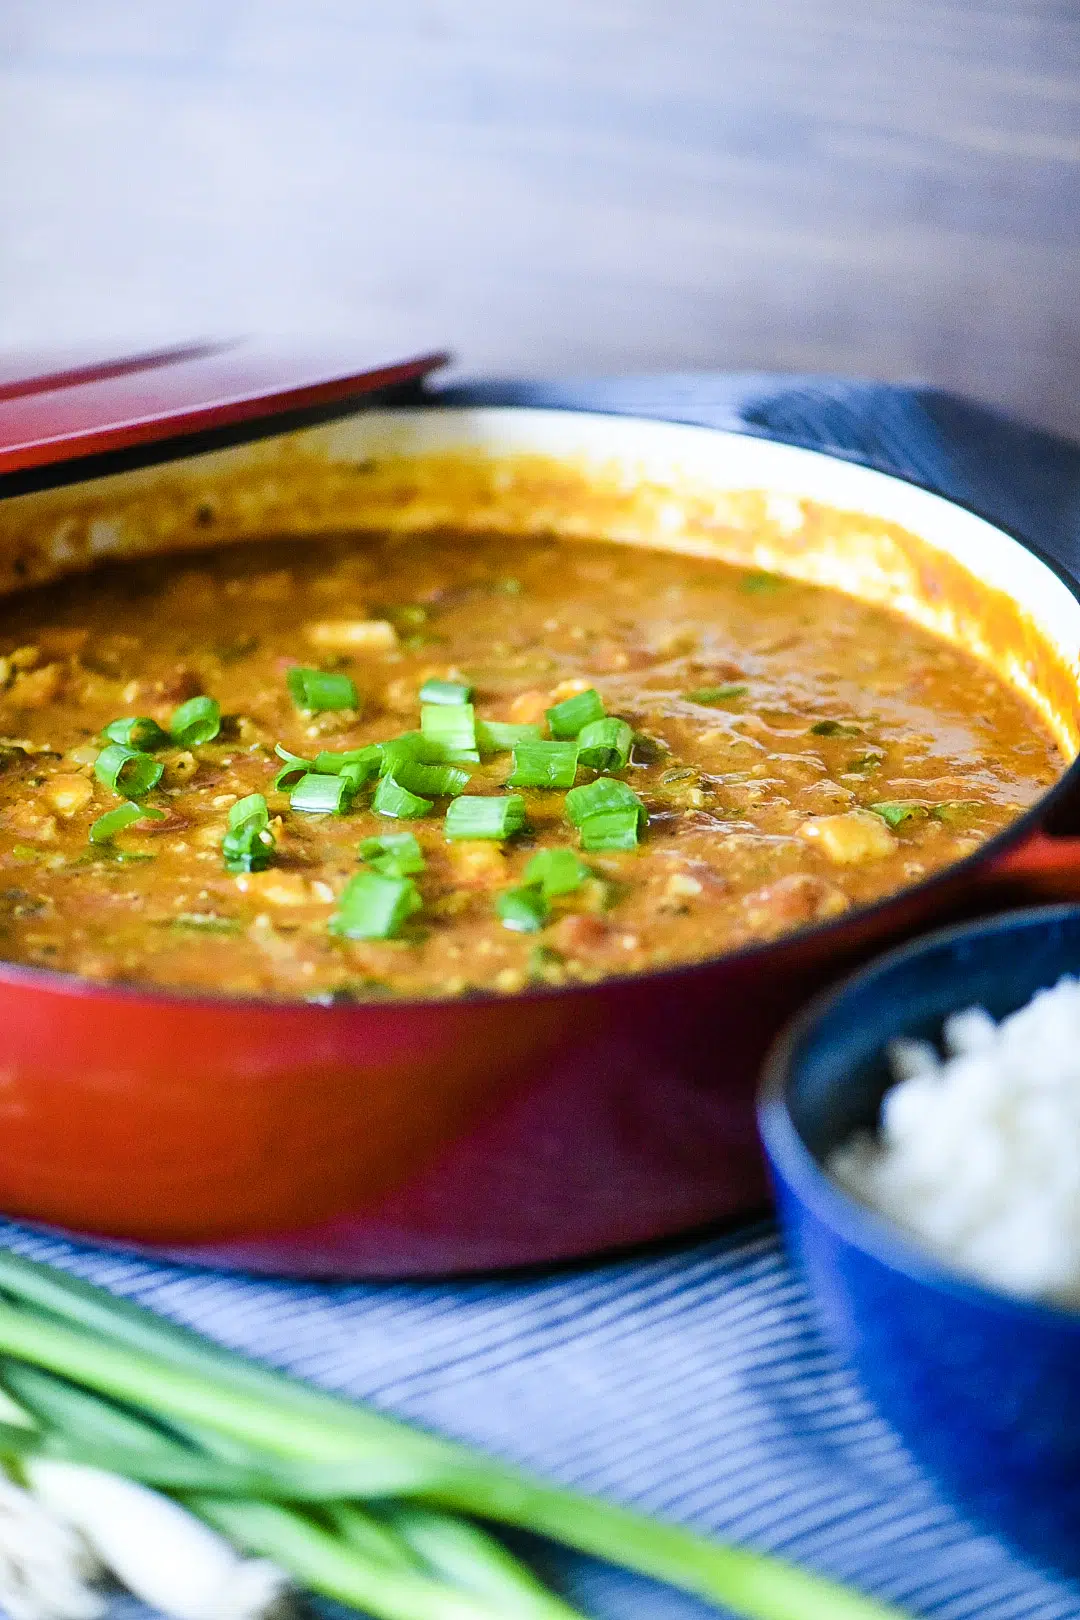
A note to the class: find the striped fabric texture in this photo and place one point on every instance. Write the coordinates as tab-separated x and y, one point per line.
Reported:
692	1382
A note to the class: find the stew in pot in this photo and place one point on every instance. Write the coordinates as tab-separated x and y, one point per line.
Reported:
434	766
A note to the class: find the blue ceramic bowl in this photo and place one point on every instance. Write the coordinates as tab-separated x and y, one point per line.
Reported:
984	1389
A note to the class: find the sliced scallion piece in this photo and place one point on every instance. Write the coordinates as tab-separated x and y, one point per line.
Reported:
431	781
567	718
374	906
320	795
392	753
317	690
610	829
362	763
106	827
894	812
391	799
448	692
451	727
196	721
293	769
127	770
835	728
596	798
710	696
136	731
495	736
248	843
473	816
604	745
393	854
525	910
544	765
557	871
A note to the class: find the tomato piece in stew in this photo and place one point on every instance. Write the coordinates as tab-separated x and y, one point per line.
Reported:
427	767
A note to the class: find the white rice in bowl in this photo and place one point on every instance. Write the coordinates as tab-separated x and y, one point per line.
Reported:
978	1153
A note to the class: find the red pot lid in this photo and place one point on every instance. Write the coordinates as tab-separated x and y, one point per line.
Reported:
59	407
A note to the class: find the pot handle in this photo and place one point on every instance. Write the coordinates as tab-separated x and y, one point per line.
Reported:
1040	870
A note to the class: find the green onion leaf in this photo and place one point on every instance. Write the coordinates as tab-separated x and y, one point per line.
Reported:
557	871
496	736
374	906
710	696
956	809
476	817
138	732
524	910
544	765
253	808
610	829
393	854
835	728
409	746
316	690
320	795
432	781
604	745
448	692
196	721
359	764
897	811
864	764
293	769
451	727
106	827
566	719
127	770
391	799
597	798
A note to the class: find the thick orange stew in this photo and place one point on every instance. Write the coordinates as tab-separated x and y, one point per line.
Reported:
429	767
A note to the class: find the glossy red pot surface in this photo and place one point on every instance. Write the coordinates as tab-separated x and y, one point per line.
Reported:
398	1139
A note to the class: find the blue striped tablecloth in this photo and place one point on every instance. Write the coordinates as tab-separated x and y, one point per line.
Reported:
690	1382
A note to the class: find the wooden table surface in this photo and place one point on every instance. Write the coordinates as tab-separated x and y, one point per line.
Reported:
889	187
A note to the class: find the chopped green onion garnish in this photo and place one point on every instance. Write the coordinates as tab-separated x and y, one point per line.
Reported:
137	731
611	829
524	910
328	764
248	844
604	745
597	798
557	871
450	726
106	827
566	719
410	745
252	808
321	795
433	781
495	736
374	906
544	765
863	764
393	854
897	811
127	770
316	690
711	695
956	809
472	816
445	692
294	768
196	721
391	799
834	728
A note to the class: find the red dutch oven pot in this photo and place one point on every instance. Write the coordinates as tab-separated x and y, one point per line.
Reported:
418	1138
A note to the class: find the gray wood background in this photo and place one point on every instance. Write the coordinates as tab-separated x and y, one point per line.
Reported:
889	187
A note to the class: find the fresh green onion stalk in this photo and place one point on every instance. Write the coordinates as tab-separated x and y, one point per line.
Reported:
263	1446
